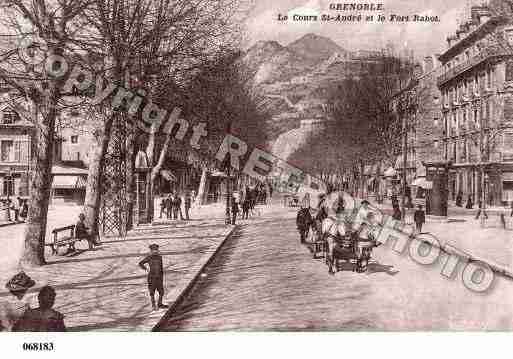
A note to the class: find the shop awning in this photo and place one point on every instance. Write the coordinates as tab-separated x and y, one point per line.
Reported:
390	172
219	174
68	182
422	182
507	176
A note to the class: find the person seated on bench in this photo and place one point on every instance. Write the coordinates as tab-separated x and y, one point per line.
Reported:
82	232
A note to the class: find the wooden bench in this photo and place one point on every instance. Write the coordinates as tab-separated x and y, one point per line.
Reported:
68	240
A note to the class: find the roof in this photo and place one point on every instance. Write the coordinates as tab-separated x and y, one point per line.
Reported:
68	170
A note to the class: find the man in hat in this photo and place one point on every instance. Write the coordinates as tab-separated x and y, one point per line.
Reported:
155	275
14	307
304	221
82	232
44	318
187	204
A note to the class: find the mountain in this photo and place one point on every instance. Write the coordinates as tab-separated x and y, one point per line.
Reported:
293	81
268	62
315	48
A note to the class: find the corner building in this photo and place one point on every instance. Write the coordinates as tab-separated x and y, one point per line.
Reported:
477	107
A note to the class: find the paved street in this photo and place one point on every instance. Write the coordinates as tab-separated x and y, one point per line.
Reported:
265	280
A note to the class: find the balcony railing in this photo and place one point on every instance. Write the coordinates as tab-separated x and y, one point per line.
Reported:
491	51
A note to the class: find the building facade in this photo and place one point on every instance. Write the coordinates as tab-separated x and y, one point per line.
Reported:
476	86
15	145
70	159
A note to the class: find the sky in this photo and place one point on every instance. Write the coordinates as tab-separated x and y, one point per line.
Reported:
424	38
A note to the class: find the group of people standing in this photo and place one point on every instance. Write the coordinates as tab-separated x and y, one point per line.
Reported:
17	210
248	199
171	205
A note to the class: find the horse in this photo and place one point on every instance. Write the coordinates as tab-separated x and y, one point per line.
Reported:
340	229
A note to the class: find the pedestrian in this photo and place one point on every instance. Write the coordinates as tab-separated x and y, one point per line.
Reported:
82	232
481	211
10	210
397	213
469	204
17	208
395	201
169	205
502	218
162	206
24	210
13	307
234	210
459	199
44	318
155	275
187	205
511	206
177	207
245	208
193	196
304	221
419	217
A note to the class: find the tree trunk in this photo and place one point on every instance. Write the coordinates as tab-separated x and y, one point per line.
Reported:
93	187
202	187
40	183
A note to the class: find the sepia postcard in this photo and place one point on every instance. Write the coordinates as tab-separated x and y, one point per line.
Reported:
255	166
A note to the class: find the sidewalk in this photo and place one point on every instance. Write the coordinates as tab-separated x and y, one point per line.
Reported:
105	290
461	230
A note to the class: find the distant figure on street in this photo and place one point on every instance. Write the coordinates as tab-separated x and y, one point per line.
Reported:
187	205
419	217
17	208
397	213
44	318
481	211
177	207
24	210
162	206
155	275
459	199
82	232
502	218
395	201
169	205
511	206
13	307
193	196
245	208
469	204
234	209
304	221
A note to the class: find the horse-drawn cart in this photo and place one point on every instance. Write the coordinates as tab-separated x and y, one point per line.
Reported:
348	249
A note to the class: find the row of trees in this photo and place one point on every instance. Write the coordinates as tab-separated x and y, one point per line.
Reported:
177	54
364	127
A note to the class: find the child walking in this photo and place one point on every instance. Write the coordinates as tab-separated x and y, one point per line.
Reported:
155	275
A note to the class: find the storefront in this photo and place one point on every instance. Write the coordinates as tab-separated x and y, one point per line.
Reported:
68	185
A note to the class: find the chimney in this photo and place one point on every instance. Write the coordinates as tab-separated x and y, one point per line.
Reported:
428	64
